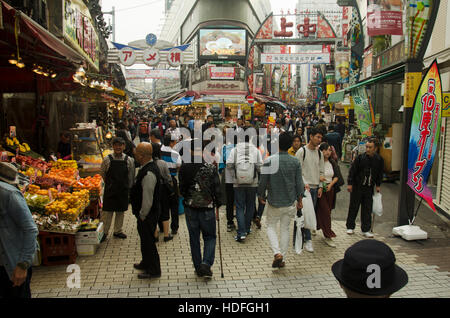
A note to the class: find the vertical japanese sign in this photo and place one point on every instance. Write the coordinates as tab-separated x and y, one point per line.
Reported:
363	113
425	128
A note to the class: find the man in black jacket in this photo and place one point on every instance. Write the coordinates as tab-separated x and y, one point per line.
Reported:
145	201
200	188
365	173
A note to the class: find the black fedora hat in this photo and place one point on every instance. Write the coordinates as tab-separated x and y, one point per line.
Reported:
356	269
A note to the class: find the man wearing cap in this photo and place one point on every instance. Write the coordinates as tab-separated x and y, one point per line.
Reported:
368	270
117	171
18	233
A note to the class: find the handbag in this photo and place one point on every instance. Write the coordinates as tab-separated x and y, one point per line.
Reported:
300	222
309	212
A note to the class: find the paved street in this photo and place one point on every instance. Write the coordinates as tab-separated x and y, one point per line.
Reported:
247	267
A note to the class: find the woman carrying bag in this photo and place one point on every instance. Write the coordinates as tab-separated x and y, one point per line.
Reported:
331	186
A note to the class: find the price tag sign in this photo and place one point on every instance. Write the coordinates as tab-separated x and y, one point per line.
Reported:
53	158
51	197
23	165
59	188
13	160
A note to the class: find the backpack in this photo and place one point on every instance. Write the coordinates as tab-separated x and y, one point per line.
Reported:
244	169
143	128
304	153
200	193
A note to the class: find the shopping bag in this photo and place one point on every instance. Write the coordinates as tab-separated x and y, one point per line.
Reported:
300	222
377	206
308	212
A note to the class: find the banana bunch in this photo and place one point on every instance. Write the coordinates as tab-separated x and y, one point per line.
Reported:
15	143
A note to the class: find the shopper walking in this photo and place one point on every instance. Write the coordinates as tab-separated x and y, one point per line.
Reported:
285	192
296	144
18	233
228	178
145	201
173	160
117	171
366	172
312	163
245	162
167	193
331	186
144	130
333	138
200	187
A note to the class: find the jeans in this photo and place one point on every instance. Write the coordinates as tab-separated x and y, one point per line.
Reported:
174	205
283	215
307	232
245	198
7	291
260	211
201	222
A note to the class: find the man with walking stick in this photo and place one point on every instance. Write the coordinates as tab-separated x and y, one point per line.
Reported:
200	187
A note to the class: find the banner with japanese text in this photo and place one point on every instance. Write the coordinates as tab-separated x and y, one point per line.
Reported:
384	17
425	128
363	113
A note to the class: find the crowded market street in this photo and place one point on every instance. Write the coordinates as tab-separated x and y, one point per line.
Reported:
239	149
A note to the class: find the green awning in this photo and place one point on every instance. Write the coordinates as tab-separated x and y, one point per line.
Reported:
338	96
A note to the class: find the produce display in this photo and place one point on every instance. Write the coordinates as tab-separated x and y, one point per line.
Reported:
92	184
14	143
35	163
69	206
52	223
65	164
63	176
89	225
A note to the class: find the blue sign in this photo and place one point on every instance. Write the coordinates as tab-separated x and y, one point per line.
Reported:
151	39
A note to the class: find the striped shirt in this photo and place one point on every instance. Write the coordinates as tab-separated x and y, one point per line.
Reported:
172	158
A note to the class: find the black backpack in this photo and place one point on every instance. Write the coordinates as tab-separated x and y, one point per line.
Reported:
304	153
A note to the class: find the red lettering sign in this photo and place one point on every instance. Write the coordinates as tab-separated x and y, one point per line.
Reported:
283	32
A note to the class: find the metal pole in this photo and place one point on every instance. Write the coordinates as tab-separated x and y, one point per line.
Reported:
114	23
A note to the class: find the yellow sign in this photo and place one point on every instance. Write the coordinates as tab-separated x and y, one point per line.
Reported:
331	89
412	83
446	105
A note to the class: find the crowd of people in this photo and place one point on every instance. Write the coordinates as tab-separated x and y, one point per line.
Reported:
239	175
248	175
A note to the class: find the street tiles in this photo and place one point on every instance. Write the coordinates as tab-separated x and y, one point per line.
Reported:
246	266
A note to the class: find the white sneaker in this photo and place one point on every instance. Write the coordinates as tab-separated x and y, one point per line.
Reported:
329	242
309	247
350	231
368	234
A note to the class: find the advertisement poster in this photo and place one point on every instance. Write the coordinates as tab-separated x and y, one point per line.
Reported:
446	105
425	128
384	17
226	73
342	61
222	42
259	83
363	113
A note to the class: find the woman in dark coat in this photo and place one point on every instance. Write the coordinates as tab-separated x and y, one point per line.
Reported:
326	203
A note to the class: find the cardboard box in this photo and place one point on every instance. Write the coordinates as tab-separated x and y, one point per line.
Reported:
86	249
90	237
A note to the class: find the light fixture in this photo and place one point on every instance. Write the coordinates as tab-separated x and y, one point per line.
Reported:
20	64
12	60
81	72
108	135
53	75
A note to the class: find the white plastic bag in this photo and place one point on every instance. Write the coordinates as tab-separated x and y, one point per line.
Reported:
308	212
377	206
299	237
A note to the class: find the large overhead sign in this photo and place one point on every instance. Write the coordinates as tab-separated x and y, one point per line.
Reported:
79	30
227	73
134	74
174	57
222	43
295	58
384	17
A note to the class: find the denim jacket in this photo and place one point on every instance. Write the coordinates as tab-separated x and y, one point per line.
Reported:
18	231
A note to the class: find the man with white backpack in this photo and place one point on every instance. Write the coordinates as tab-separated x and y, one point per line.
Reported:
244	162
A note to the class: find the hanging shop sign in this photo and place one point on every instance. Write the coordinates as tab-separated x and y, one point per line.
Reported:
79	30
227	73
384	17
295	58
133	74
446	105
392	56
128	56
315	25
259	83
425	128
363	113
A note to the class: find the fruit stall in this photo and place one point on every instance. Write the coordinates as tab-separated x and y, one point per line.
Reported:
65	207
